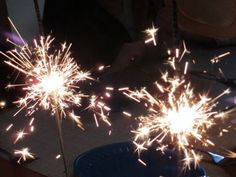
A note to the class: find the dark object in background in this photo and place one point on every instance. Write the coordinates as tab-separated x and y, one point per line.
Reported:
210	22
4	24
120	159
5	95
95	34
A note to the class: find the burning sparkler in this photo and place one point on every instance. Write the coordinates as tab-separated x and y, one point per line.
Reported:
181	118
177	117
52	78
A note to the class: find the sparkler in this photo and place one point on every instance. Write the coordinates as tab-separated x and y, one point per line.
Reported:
177	117
51	82
182	118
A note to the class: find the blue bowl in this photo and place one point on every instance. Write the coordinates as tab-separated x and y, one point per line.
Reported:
121	160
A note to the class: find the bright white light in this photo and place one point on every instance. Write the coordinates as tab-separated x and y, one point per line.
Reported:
53	82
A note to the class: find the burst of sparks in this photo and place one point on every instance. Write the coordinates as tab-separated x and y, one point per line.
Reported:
151	32
52	78
24	154
178	116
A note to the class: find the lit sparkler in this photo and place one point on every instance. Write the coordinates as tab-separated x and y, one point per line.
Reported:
51	78
178	118
24	154
151	32
51	82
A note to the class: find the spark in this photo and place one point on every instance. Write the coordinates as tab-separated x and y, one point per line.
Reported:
9	127
2	104
20	135
177	53
151	32
76	118
52	78
123	88
58	156
108	94
127	114
142	162
24	154
96	120
32	128
178	115
185	50
186	68
100	68
31	121
109	88
218	58
140	147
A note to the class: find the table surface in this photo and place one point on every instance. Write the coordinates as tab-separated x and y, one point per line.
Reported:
8	169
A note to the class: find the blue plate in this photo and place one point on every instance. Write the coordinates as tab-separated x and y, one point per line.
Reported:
121	160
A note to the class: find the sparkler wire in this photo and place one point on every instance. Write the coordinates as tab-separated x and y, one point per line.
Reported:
61	142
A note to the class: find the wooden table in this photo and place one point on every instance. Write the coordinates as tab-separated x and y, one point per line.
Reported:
8	169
